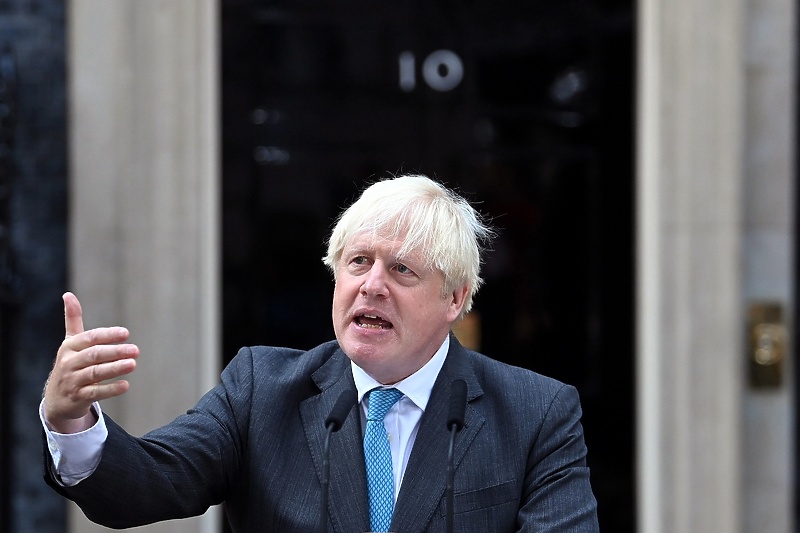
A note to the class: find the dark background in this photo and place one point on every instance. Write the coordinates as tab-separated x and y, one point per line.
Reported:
538	131
33	271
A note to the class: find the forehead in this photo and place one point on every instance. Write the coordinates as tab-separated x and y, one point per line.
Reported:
373	243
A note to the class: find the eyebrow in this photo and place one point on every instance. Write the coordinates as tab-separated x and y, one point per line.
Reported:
360	250
367	250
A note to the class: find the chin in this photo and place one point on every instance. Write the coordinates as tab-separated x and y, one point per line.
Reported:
370	358
360	352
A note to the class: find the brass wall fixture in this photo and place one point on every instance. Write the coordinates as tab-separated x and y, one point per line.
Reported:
766	344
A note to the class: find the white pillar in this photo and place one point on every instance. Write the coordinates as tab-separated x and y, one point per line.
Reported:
689	273
144	213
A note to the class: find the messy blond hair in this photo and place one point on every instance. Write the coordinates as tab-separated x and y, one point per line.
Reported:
430	220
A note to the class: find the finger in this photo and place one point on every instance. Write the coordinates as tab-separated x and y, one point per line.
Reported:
94	392
103	391
98	338
73	315
72	361
96	374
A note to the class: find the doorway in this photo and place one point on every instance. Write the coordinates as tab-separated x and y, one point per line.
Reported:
526	109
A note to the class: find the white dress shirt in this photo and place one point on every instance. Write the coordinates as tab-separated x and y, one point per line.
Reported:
76	456
402	420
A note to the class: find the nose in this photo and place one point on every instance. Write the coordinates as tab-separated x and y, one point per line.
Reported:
374	283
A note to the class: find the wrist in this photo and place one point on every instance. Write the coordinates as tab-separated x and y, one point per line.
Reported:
73	425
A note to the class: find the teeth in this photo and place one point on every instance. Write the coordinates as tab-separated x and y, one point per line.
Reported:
365	317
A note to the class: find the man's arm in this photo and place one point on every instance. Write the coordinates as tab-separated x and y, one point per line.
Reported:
175	471
558	495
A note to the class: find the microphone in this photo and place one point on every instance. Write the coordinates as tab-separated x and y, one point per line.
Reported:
455	421
333	423
340	410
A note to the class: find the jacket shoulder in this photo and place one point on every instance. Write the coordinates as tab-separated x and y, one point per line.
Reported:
276	361
513	385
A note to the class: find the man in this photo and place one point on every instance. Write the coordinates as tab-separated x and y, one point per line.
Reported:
405	259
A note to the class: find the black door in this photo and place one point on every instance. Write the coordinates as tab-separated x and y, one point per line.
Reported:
524	107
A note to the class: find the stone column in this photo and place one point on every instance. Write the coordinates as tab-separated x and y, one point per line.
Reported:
768	450
689	273
144	209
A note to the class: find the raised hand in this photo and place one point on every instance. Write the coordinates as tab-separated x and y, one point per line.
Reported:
85	363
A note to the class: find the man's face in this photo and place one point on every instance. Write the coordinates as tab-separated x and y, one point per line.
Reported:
388	312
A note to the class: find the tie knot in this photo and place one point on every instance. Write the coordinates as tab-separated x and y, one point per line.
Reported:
380	401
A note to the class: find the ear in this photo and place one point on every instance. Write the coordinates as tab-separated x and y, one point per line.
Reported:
457	299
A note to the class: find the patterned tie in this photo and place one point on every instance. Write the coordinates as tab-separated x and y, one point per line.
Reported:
378	456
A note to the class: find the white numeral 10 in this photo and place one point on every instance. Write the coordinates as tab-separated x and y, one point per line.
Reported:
442	71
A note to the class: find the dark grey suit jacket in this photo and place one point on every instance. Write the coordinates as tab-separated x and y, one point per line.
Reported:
255	443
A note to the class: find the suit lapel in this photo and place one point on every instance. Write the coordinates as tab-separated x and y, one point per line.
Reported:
347	504
425	478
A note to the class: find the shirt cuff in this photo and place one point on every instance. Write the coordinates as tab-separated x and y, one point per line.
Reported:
76	455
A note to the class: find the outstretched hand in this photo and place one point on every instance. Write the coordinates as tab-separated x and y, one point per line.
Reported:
85	363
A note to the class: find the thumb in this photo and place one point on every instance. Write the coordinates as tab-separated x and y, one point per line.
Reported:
73	315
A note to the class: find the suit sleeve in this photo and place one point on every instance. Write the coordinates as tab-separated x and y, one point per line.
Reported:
557	493
176	471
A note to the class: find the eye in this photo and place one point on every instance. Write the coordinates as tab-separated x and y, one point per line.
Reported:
358	263
403	269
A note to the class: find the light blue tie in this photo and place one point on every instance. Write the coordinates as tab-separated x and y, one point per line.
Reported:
378	456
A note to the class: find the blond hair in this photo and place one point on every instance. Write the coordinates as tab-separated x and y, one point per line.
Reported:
430	219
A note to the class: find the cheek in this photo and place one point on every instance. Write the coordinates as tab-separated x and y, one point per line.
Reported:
337	302
337	315
428	309
341	298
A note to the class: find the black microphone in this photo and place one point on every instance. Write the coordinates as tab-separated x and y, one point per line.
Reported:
333	423
340	410
455	421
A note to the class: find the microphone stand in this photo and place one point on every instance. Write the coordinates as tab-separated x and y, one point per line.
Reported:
326	473
450	474
334	421
455	421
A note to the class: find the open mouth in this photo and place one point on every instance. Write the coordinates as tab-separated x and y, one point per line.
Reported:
372	322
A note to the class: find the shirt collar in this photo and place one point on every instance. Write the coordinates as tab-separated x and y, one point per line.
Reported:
417	387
